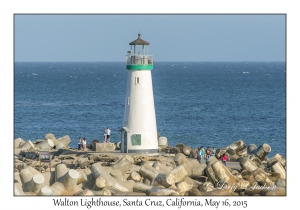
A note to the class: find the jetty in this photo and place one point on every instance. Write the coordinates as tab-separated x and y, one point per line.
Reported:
50	167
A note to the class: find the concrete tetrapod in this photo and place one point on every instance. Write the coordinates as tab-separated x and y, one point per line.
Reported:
45	145
161	167
277	167
247	175
124	164
186	150
211	174
18	189
262	151
224	176
117	174
52	137
27	145
59	145
151	190
36	183
26	175
60	170
176	175
82	177
135	176
281	159
205	187
67	184
45	191
119	193
70	180
278	191
214	192
180	159
65	140
247	164
104	179
58	188
183	187
239	147
149	173
18	142
251	148
262	179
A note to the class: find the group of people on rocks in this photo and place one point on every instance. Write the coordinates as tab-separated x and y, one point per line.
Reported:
82	141
82	144
206	154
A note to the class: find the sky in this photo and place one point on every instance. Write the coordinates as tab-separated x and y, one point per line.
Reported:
175	37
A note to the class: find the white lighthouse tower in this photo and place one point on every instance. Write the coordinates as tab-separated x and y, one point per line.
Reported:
139	132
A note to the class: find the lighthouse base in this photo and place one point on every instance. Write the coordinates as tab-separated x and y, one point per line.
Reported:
143	151
133	143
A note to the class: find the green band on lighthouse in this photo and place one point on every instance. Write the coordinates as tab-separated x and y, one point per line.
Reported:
139	67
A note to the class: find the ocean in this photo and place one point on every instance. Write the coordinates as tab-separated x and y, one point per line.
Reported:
196	103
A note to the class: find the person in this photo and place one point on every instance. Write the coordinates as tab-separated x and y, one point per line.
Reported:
84	144
104	135
224	159
79	143
202	152
208	153
108	132
213	151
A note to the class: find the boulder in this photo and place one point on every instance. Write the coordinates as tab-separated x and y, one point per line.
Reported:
104	147
18	142
65	140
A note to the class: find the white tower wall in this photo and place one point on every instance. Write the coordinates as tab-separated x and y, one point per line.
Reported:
139	115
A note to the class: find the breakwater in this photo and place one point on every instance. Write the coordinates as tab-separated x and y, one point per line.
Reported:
173	171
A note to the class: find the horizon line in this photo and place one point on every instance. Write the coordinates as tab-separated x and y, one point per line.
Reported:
125	62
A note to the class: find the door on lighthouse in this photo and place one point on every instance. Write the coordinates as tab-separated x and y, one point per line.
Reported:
125	141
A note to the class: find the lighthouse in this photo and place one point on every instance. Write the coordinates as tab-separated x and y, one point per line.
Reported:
139	132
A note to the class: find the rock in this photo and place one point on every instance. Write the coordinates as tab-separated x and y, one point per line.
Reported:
59	145
251	148
281	159
104	179
83	162
104	147
186	150
27	145
118	145
20	166
45	145
247	164
277	167
18	189
162	142
206	187
280	182
124	164
52	137
222	174
65	140
18	142
262	151
231	151
75	173
236	146
193	153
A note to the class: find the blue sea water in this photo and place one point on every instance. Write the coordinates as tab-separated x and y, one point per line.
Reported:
196	103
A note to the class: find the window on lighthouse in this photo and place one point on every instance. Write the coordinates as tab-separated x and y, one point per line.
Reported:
137	80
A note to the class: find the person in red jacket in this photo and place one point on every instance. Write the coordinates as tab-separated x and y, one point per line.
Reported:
224	159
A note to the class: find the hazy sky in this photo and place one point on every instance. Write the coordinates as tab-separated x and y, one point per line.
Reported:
172	37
